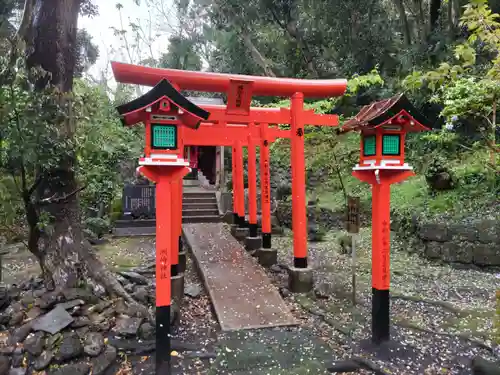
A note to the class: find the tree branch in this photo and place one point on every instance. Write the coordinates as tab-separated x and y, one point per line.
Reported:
20	36
36	183
259	59
26	20
54	200
276	18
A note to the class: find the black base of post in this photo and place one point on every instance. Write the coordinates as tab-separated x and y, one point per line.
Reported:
236	218
162	340
241	221
380	316
180	244
174	270
252	230
266	240
300	262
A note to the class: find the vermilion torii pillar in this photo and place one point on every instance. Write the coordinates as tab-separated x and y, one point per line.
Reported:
267	256
239	90
239	229
253	241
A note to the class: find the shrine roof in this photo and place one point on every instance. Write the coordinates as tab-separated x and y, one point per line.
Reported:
380	112
163	89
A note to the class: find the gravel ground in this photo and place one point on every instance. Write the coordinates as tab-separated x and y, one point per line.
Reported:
442	316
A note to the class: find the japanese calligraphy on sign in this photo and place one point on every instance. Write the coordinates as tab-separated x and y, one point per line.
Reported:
353	214
164	265
239	94
266	182
385	254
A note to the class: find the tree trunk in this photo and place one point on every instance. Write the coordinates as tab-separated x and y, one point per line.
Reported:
67	259
289	25
293	31
404	21
451	25
457	11
422	25
435	10
257	56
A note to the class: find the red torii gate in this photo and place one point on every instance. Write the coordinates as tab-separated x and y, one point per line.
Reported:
239	90
236	125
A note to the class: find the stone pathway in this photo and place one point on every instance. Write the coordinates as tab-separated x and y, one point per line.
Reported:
242	294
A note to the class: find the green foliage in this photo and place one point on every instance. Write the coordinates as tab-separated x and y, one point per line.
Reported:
358	82
30	144
469	89
97	226
102	145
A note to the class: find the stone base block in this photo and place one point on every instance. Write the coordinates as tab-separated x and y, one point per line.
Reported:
300	280
234	227
267	257
177	283
182	261
253	243
241	233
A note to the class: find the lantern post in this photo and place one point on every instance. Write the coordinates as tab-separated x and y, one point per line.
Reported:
165	113
383	127
166	171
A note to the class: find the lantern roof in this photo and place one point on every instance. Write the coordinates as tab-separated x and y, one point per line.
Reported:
130	112
396	110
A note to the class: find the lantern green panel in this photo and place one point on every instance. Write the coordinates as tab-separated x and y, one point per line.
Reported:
164	137
369	145
391	144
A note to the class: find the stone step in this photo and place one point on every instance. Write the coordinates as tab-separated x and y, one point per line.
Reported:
200	212
198	200
188	183
135	223
201	219
194	206
197	194
134	231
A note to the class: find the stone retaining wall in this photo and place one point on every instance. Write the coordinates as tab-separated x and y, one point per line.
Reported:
325	217
476	242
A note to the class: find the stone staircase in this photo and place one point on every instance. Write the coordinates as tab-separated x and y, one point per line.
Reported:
199	206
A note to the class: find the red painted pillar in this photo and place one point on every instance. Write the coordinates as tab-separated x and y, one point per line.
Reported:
380	181
163	274
381	196
299	213
175	224
265	191
240	184
179	226
252	188
163	176
235	185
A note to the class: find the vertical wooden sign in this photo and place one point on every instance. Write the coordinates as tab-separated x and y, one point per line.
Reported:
353	215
